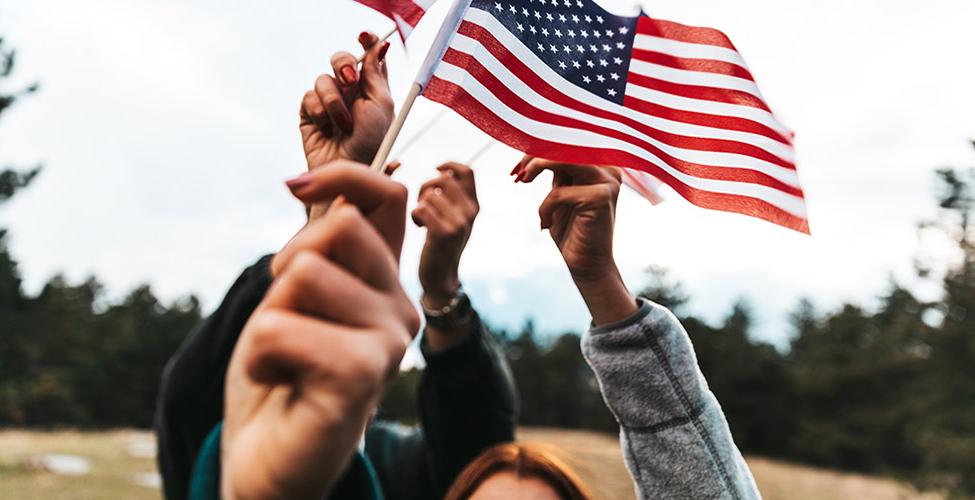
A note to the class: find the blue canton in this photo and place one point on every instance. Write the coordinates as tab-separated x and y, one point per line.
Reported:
577	38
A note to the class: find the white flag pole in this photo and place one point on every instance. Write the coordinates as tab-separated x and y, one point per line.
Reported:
454	16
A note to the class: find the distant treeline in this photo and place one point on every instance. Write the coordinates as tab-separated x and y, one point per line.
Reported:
887	389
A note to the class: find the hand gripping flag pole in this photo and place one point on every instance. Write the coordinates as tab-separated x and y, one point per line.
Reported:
454	17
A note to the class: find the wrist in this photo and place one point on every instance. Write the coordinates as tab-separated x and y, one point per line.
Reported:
606	296
438	295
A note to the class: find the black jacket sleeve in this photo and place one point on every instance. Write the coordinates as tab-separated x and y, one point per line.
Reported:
190	399
467	403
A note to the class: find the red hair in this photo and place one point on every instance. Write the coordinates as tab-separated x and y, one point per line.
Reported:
524	460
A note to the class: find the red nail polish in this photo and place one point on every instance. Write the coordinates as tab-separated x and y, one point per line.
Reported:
516	169
299	182
348	74
382	51
363	36
344	121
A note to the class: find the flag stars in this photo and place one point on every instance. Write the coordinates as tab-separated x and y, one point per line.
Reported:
553	48
562	65
586	79
521	28
498	6
576	65
558	33
538	15
524	12
606	48
590	63
587	18
512	9
600	78
579	3
567	3
617	60
596	33
532	29
566	49
580	48
541	47
599	19
620	45
562	17
549	17
611	92
623	30
614	76
544	32
572	34
584	33
575	18
603	63
609	33
593	48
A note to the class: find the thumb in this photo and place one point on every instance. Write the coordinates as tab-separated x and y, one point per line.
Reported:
375	84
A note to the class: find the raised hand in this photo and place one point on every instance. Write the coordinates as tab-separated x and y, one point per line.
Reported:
313	360
580	214
347	113
447	207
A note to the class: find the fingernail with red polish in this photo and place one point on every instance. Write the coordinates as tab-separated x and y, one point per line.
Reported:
363	36
344	122
516	169
382	51
299	182
348	74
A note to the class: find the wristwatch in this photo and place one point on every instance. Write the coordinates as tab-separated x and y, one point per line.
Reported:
456	314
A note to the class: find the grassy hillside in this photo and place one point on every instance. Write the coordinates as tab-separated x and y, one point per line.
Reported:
122	467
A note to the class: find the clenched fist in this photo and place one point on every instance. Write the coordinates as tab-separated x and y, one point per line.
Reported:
314	358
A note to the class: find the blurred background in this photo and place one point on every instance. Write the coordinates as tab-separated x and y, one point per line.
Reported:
143	148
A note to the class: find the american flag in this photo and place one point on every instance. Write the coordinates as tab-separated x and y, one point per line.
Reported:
406	13
568	81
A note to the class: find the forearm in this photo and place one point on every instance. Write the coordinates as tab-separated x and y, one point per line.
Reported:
467	403
675	438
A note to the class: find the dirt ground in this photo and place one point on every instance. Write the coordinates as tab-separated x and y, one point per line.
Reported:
122	467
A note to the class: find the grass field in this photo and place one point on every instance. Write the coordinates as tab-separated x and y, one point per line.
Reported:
122	467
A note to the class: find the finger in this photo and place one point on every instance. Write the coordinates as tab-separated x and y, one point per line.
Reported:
320	287
392	167
452	220
330	96
312	114
344	236
572	197
580	174
344	68
449	187
464	173
425	215
379	198
375	84
282	345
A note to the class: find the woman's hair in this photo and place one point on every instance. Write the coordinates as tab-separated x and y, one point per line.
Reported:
524	460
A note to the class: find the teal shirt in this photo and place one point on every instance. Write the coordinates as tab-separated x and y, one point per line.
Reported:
359	482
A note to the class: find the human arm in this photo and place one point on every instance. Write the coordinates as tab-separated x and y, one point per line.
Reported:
315	356
676	441
466	394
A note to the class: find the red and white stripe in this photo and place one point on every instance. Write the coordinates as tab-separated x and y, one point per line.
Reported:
406	13
692	115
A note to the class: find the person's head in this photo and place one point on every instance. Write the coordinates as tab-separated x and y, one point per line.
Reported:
517	470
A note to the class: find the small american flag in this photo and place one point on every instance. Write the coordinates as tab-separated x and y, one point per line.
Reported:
406	13
568	81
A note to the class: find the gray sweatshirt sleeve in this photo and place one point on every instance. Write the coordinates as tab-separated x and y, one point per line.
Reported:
675	439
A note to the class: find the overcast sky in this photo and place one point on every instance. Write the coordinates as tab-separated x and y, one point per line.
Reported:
166	130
